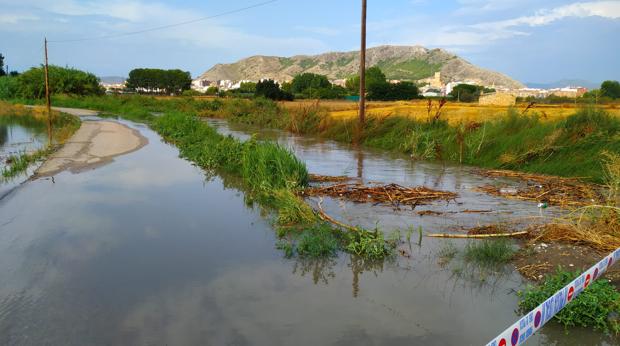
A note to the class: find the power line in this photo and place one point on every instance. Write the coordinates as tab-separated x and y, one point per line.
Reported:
164	26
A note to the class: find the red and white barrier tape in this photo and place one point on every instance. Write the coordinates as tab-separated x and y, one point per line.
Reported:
529	324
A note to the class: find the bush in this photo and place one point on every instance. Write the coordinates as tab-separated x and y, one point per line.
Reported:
592	308
31	84
270	89
9	87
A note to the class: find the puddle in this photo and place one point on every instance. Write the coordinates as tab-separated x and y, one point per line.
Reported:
145	250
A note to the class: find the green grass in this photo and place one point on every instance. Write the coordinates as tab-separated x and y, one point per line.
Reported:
18	164
571	147
489	252
318	241
273	176
592	308
63	126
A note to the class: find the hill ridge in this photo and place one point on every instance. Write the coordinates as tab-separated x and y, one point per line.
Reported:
397	62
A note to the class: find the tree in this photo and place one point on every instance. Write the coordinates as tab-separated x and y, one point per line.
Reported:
469	92
270	89
62	80
151	80
212	90
9	87
247	88
2	72
393	92
374	77
610	89
306	82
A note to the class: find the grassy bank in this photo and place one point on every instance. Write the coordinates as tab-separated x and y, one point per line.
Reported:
273	177
63	127
570	146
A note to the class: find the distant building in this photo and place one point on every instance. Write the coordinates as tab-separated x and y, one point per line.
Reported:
497	99
433	82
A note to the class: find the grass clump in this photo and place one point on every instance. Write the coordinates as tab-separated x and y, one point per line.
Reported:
63	127
18	164
594	307
369	244
489	252
318	241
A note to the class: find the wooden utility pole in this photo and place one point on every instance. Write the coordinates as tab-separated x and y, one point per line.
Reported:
48	102
362	110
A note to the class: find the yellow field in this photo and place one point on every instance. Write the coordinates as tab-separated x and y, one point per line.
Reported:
452	111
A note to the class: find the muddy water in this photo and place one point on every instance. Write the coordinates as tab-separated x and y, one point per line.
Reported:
16	139
146	250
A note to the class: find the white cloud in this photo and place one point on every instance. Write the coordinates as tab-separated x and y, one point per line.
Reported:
6	18
605	9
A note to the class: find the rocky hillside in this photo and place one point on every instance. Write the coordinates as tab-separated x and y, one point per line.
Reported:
398	62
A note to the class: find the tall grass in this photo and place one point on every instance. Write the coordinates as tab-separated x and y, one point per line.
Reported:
63	126
571	147
274	176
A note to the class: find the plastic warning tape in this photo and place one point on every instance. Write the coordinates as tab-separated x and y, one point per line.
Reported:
529	324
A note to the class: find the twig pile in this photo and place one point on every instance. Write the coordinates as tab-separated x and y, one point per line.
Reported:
317	178
391	194
553	190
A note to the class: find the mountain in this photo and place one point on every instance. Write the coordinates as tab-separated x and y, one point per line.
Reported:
397	62
565	82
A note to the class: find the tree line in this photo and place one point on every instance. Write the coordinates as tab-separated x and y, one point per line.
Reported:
159	81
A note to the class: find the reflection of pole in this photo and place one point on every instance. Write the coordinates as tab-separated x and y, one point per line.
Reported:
362	110
360	163
48	102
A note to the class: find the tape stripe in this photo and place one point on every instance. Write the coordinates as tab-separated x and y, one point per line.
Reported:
529	324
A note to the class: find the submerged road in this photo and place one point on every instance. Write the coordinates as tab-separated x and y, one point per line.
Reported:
147	250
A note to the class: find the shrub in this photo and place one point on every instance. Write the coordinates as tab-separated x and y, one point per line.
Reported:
592	308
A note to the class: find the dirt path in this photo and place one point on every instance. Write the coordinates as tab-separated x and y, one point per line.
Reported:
96	143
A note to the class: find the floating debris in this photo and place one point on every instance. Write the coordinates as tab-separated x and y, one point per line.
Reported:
392	194
429	212
488	229
545	189
317	178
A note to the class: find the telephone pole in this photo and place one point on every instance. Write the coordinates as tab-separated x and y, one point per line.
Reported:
48	102
362	110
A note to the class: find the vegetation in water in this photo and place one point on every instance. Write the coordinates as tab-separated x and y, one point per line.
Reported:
369	244
63	126
273	176
489	252
598	306
571	146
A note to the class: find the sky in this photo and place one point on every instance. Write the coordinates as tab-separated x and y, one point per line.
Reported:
529	40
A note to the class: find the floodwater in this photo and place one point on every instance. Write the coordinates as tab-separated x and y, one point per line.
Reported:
147	251
16	139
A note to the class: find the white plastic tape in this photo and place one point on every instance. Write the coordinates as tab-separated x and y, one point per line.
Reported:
529	324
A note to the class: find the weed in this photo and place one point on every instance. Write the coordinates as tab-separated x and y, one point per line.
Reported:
489	252
286	247
369	244
317	241
447	253
592	308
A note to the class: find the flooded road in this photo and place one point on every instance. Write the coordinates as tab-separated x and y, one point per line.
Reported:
18	136
147	251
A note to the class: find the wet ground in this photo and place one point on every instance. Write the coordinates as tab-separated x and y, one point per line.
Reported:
145	250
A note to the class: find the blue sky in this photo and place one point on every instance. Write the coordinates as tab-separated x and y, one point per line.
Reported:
532	41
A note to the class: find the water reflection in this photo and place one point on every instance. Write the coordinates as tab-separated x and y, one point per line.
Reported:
146	250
